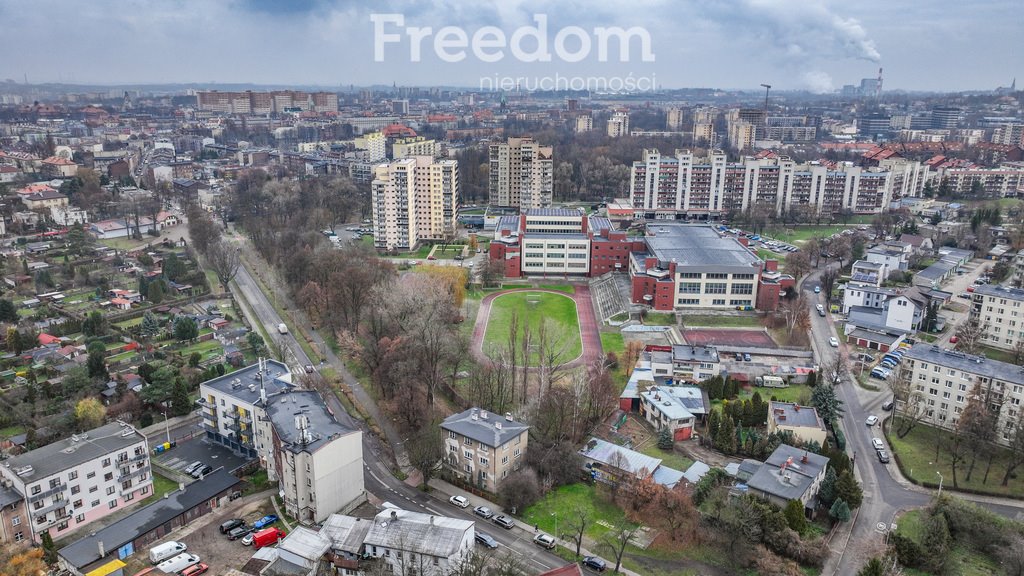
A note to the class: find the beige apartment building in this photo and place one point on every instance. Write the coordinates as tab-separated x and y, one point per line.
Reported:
1002	309
521	174
484	448
414	199
418	146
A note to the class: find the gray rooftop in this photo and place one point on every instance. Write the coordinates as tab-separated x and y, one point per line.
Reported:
631	461
685	353
797	478
487	428
867	264
690	245
998	291
889	338
282	410
8	496
790	414
68	453
346	533
980	365
417	532
553	212
86	550
937	270
305	543
276	378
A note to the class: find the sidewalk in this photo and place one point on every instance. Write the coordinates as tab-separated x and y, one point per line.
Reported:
446	490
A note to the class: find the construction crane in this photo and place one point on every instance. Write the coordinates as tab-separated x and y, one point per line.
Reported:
766	87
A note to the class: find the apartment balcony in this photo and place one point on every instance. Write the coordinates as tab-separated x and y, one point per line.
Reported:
247	419
55	490
234	426
60	504
132	474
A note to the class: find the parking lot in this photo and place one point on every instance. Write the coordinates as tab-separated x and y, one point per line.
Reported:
197	449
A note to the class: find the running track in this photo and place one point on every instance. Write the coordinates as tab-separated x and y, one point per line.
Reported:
584	312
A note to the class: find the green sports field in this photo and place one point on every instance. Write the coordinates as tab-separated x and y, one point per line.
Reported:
533	308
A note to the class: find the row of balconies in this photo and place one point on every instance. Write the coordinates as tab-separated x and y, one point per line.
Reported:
55	490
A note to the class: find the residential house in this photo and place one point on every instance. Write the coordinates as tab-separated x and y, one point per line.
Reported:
892	257
300	553
14	518
789	474
73	482
419	543
483	448
58	167
44	200
919	244
346	535
120	227
676	408
802	421
867	272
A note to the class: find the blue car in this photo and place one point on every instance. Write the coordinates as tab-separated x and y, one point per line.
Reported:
264	522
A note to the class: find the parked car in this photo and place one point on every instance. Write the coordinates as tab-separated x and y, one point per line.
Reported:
483	512
239	532
817	289
459	501
872	420
504	521
231	525
833	342
195	570
247	539
202	471
267	537
264	522
594	563
746	357
193	466
544	541
887	406
883	456
964	295
739	357
877	443
953	339
486	540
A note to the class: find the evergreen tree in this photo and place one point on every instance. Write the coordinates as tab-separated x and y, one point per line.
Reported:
150	326
665	439
812	378
848	490
726	441
828	405
8	313
795	518
94	324
185	328
180	402
840	511
714	419
49	549
155	291
827	491
96	362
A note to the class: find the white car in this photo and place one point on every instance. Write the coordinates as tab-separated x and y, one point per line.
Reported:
877	443
833	342
872	420
459	501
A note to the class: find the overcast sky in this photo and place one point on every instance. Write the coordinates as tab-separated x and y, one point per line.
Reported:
791	44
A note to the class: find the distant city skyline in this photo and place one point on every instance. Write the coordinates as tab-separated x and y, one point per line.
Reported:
817	45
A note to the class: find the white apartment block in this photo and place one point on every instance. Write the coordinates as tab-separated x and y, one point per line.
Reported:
742	135
663	186
414	199
584	123
1003	310
942	381
995	182
317	461
418	543
1009	135
258	412
73	482
618	125
484	448
374	145
704	132
674	119
521	174
418	146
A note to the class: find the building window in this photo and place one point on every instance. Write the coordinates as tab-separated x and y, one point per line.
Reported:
112	504
742	289
110	490
19	536
108	476
80	518
106	462
483	461
716	288
76	504
16	521
75	489
145	490
689	287
451	434
94	503
62	526
73	475
36	489
93	489
90	475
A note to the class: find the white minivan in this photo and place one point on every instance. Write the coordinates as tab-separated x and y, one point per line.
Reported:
162	552
178	563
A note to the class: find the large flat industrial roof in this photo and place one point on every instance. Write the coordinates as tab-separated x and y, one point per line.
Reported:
698	246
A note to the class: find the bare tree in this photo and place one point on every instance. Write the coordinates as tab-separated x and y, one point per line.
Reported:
908	402
969	334
616	541
797	315
828	282
576	524
277	348
224	261
552	348
1011	556
978	424
798	264
1015	448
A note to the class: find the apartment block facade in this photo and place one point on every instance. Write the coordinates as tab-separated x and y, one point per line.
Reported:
942	381
521	174
484	448
1002	309
414	199
73	482
618	125
417	146
249	102
685	187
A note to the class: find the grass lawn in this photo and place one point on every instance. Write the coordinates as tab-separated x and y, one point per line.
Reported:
533	308
129	323
552	511
997	354
567	288
201	347
11	431
161	485
691	321
962	559
662	319
794	393
613	342
450	252
800	234
916	454
765	254
420	254
672	459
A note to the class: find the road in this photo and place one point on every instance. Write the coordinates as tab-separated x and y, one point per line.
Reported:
883	494
378	479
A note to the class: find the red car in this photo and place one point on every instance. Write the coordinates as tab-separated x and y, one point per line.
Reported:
953	339
195	570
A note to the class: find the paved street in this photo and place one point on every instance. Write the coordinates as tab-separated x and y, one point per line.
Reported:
885	490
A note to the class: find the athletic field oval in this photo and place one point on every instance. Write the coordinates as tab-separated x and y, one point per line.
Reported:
556	309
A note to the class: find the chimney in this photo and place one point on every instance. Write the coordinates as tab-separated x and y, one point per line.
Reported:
483	414
431	520
181	486
508	416
804	460
796	407
394	516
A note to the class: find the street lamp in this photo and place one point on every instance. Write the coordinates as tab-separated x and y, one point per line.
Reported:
167	427
555	514
940	482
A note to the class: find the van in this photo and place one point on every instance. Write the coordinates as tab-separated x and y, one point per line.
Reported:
770	382
282	328
178	563
267	537
162	552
